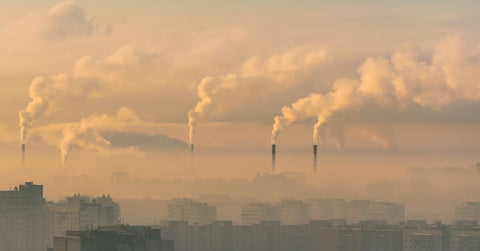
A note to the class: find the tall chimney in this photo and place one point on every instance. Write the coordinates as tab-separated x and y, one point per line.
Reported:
191	148
23	155
314	158
273	157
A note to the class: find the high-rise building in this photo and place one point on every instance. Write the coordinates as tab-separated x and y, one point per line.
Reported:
267	235
21	218
468	211
79	213
468	239
390	212
59	218
256	212
94	212
326	209
192	211
422	239
293	212
357	210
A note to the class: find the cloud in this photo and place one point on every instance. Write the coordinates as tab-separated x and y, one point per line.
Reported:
67	19
62	21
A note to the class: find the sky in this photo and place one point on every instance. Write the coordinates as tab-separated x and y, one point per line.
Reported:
93	87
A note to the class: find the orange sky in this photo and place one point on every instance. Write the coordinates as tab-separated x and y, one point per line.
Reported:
111	85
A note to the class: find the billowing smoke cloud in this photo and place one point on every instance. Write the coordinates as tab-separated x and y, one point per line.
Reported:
207	89
382	135
257	75
451	74
144	141
335	133
90	78
280	66
90	132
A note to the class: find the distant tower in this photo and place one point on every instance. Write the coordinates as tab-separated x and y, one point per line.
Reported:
191	148
23	155
315	158
273	157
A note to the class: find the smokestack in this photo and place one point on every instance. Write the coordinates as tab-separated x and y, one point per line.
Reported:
273	157
314	158
23	155
191	148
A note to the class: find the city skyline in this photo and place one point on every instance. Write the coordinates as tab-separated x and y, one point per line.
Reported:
231	109
82	221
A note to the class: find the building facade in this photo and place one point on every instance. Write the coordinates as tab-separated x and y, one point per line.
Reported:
115	238
21	218
191	211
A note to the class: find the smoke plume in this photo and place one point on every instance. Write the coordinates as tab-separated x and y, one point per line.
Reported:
90	78
450	74
257	75
89	132
207	90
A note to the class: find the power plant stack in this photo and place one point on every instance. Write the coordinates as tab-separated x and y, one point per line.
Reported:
191	148
23	155
273	157
314	158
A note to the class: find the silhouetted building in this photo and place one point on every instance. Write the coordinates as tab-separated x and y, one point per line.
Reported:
273	236
79	213
115	238
21	218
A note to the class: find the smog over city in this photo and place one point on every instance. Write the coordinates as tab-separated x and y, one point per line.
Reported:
208	125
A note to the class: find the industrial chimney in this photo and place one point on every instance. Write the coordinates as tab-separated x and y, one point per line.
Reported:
191	148
314	158
273	157
23	155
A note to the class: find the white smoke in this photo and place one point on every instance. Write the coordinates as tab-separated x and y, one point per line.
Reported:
335	133
257	75
87	133
207	89
451	74
90	78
